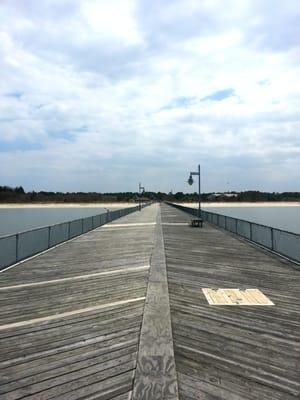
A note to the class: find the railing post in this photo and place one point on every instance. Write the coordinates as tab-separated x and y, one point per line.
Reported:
272	238
236	225
69	229
225	223
17	247
251	231
49	232
82	225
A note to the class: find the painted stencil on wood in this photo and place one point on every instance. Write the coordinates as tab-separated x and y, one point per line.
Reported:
233	297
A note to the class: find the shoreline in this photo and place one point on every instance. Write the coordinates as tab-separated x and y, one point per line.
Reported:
67	205
126	204
244	204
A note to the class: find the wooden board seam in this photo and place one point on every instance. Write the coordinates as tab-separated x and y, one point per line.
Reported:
68	313
86	276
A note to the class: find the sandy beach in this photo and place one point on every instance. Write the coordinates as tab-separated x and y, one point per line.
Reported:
246	204
67	205
125	205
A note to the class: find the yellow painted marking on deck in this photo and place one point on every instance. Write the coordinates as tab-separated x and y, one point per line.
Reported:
207	294
259	296
78	277
125	225
69	313
234	296
231	297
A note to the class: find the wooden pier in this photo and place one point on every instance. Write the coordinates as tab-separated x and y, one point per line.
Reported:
119	313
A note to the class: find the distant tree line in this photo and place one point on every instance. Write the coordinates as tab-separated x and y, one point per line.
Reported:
18	195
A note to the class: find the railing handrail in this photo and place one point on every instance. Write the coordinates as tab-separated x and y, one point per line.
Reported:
255	223
279	241
13	250
61	223
239	219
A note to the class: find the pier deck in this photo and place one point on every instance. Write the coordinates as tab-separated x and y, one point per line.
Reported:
102	316
71	318
230	352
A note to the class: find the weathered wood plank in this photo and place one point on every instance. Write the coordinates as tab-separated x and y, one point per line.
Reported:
156	372
229	353
71	329
226	352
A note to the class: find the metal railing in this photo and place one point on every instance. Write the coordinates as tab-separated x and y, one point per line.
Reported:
280	241
19	246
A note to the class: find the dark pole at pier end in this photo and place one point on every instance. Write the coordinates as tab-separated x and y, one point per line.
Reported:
141	191
191	181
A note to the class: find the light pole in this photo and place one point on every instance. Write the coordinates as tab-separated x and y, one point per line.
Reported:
141	190
191	181
107	214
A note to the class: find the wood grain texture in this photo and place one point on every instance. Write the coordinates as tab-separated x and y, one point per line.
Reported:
226	352
174	344
156	377
234	297
68	327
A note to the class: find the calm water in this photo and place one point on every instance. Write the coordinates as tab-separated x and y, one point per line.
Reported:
286	218
21	219
13	220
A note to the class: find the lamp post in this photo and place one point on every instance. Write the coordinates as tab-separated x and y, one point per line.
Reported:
141	190
107	214
190	182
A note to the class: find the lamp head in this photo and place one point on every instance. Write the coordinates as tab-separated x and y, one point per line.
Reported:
190	180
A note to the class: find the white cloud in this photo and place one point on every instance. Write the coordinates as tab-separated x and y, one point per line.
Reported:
85	88
113	20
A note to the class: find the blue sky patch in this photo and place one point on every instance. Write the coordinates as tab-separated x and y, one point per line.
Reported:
15	95
67	134
180	102
18	145
184	102
57	134
264	82
219	95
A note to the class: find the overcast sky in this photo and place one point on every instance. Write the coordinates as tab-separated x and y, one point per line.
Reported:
97	95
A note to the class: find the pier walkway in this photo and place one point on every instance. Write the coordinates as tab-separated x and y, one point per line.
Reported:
230	352
119	313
